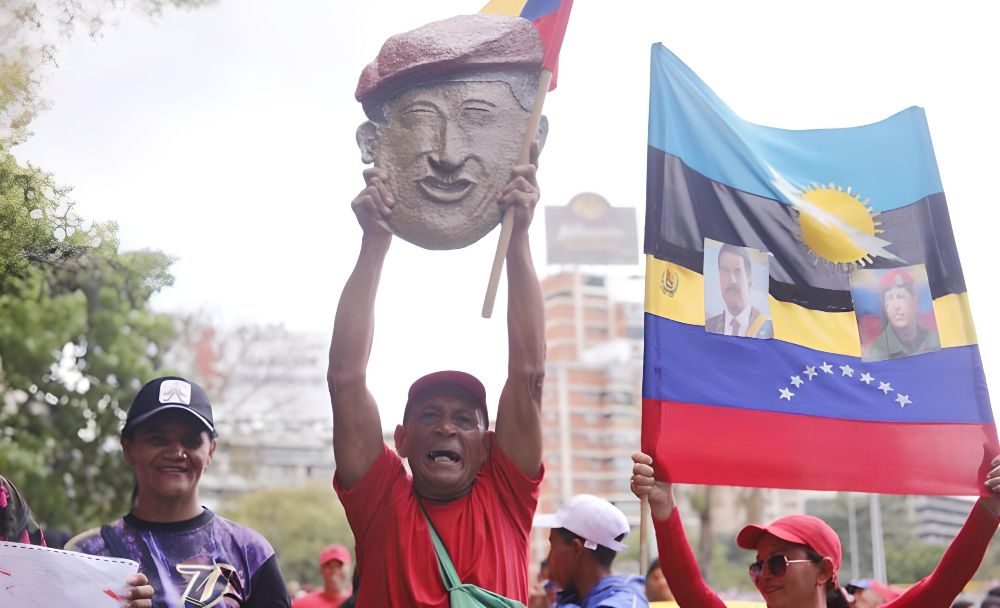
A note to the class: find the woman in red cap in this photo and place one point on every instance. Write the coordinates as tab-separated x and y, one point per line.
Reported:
798	556
902	336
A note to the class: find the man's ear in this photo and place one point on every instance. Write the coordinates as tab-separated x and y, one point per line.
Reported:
211	452
367	137
127	450
400	438
543	132
825	572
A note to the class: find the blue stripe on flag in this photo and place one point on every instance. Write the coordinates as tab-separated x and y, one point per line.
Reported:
684	363
891	161
536	9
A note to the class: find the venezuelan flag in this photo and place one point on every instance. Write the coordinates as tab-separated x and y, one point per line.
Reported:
550	18
803	410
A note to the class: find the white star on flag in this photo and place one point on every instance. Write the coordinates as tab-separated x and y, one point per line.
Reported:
900	399
786	394
867	378
846	371
826	367
796	381
884	387
810	371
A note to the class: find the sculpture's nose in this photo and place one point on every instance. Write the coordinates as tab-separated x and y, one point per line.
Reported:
452	150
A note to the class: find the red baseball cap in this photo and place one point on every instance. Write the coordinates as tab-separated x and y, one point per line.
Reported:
335	552
462	379
802	529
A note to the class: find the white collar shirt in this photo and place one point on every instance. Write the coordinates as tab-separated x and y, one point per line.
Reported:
742	319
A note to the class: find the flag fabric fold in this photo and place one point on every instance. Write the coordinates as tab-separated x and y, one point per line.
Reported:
550	18
872	380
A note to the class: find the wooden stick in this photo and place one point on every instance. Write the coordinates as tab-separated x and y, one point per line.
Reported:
643	532
507	225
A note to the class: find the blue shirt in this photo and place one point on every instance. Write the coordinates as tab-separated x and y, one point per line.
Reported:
622	591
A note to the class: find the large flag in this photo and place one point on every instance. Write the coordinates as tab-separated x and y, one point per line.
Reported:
807	322
550	18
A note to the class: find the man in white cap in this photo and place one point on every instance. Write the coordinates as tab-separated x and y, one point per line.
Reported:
586	536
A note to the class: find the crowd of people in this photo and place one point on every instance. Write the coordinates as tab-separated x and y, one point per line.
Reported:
454	529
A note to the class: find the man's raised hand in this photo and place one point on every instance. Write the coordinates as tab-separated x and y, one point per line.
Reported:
660	493
992	502
521	192
373	206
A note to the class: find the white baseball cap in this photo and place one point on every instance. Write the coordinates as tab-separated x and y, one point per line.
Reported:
598	521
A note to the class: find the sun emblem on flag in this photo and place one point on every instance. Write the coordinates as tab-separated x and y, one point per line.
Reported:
830	243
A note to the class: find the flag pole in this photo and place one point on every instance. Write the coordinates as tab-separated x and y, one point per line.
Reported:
507	225
643	532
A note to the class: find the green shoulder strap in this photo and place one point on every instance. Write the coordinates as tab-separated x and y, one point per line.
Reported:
461	595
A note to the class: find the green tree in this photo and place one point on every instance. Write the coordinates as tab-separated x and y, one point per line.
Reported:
299	523
77	340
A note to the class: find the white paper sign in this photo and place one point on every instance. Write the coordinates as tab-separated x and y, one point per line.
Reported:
32	577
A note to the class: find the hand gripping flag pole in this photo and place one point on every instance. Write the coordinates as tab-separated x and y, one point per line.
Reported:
550	17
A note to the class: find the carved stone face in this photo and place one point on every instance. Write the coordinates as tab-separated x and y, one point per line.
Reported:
448	149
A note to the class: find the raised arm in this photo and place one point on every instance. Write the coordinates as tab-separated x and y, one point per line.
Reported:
519	427
677	561
964	555
357	429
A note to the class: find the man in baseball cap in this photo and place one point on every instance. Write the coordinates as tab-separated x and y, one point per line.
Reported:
586	534
335	566
476	489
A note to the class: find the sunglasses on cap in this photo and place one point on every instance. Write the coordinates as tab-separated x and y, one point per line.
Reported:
777	565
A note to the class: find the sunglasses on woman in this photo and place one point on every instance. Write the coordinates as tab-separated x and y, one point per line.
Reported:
777	565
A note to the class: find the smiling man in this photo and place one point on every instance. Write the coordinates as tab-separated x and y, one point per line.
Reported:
478	488
447	106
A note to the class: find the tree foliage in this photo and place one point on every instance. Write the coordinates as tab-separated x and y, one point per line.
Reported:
30	34
299	523
77	340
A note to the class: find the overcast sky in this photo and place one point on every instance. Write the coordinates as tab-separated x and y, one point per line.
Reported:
225	136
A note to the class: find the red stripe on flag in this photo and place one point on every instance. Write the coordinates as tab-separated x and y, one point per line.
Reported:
552	29
727	446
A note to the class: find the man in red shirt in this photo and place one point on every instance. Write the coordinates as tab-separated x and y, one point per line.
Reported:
335	566
798	556
478	488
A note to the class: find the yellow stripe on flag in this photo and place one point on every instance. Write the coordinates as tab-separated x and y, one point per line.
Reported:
676	293
504	7
954	320
831	332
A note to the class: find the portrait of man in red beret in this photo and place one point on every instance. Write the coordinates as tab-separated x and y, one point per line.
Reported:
447	106
895	313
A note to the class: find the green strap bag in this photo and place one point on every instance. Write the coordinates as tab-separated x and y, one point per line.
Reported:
461	595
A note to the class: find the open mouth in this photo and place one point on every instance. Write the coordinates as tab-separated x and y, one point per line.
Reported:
443	456
445	190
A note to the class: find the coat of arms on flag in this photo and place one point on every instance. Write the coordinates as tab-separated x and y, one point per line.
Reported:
836	247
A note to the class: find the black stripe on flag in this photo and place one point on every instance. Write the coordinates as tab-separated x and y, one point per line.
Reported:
683	207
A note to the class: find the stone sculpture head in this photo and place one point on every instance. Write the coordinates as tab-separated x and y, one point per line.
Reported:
447	106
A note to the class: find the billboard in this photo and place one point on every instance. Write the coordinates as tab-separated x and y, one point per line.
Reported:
589	230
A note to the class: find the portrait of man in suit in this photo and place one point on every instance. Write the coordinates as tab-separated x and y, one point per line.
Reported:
738	316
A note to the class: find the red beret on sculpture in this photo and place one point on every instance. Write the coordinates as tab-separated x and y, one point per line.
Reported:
439	49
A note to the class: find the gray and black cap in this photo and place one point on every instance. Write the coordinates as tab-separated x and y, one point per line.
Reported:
169	392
